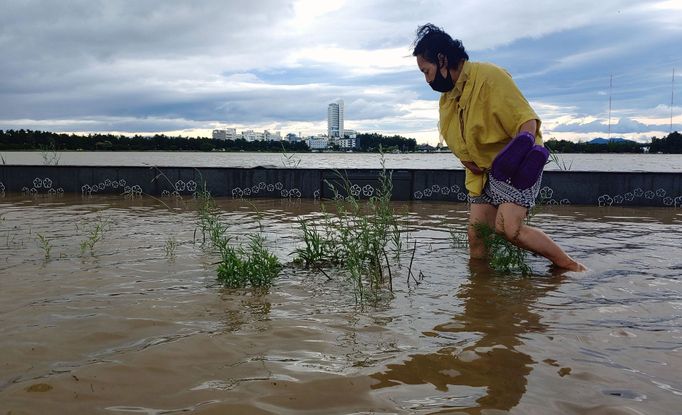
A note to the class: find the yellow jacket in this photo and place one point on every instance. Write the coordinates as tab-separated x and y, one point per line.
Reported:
480	115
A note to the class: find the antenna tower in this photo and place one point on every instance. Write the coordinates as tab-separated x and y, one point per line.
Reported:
672	97
610	86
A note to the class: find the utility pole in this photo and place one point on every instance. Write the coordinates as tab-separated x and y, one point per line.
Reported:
610	86
672	100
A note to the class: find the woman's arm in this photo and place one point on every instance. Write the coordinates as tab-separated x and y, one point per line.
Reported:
473	167
530	126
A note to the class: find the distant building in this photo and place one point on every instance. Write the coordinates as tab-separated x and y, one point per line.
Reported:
268	136
292	138
250	135
335	120
347	143
219	135
425	148
225	134
318	143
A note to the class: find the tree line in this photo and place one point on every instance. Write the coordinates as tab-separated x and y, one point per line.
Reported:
45	140
565	146
42	140
671	144
373	142
365	142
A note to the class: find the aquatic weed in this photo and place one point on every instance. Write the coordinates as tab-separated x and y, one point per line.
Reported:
254	266
357	236
459	237
316	249
239	266
49	154
560	162
94	233
289	160
503	256
171	246
44	244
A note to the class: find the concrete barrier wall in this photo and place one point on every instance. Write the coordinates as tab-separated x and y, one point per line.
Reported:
558	187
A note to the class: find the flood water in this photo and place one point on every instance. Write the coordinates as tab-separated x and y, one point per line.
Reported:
439	161
128	328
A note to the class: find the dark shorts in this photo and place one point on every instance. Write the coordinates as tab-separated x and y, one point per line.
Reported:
497	192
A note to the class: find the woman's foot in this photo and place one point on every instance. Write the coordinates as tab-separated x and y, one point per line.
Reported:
572	265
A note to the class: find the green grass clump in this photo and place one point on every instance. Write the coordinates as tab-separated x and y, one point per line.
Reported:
317	250
171	246
44	244
240	266
94	233
459	238
357	237
253	265
503	256
560	162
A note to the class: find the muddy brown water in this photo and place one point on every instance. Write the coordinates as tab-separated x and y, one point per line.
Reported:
127	329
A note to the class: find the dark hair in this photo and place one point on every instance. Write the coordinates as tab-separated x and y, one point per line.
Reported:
432	40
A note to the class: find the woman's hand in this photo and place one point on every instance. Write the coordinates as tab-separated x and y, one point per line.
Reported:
473	167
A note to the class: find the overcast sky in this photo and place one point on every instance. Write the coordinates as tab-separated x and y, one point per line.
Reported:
187	67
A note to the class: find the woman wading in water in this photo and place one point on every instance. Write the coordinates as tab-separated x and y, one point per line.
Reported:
491	128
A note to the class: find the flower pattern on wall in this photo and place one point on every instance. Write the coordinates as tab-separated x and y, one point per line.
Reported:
639	193
41	186
453	192
547	196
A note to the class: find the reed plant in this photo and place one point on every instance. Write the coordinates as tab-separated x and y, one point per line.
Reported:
239	266
503	256
560	162
317	249
289	160
50	155
356	237
253	265
44	244
94	233
459	238
171	246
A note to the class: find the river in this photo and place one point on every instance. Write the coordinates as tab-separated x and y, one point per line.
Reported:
134	324
440	161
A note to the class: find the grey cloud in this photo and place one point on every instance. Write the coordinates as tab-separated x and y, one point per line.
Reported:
167	64
110	28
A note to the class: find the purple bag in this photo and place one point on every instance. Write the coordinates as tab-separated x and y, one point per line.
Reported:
507	162
531	168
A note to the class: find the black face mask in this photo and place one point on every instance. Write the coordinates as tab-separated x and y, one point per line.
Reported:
441	84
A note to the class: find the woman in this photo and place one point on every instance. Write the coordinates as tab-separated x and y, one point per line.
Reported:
491	128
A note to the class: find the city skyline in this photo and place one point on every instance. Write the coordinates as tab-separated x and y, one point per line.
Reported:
186	69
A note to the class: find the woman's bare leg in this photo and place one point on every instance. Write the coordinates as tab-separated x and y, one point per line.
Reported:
510	223
479	213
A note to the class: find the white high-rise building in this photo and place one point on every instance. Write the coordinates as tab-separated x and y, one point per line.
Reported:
225	134
250	135
276	136
318	143
335	120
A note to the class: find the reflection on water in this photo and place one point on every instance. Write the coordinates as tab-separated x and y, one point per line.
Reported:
123	328
484	356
